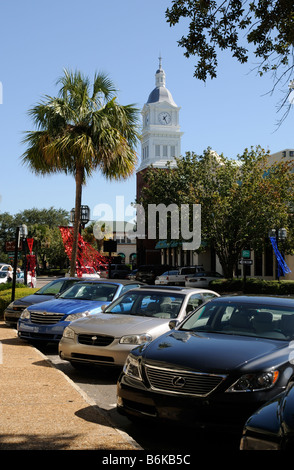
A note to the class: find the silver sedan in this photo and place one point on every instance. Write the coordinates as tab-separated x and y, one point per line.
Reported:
137	317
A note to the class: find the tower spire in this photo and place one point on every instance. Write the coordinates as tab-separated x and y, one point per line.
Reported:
160	75
160	59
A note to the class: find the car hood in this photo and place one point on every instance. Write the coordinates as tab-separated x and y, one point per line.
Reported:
32	299
118	325
212	352
69	306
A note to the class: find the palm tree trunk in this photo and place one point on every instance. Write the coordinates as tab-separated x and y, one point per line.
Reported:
79	184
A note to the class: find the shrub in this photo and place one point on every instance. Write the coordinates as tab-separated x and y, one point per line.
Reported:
253	286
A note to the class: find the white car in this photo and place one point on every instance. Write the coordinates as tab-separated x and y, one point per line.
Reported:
202	279
4	267
3	276
88	272
168	278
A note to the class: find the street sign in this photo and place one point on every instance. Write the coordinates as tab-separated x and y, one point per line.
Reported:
10	246
245	253
245	261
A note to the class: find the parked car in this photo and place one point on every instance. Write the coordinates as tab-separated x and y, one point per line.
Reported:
177	277
271	427
167	278
202	279
132	274
119	271
87	272
13	311
148	272
137	317
218	366
46	322
102	270
3	277
5	267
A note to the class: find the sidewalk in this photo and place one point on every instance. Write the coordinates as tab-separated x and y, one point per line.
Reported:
41	409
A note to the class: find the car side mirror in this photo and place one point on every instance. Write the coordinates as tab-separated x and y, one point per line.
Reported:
172	324
103	307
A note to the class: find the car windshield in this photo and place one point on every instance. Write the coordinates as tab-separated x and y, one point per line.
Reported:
233	318
160	305
87	291
54	287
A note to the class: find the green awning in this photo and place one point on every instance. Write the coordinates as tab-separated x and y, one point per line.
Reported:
165	244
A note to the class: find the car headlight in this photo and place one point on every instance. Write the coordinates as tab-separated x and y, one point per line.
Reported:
136	339
255	382
132	367
251	443
25	314
75	316
68	333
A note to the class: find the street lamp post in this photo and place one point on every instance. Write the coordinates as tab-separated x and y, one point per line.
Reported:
84	218
21	232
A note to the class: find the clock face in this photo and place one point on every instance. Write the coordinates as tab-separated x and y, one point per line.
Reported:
164	118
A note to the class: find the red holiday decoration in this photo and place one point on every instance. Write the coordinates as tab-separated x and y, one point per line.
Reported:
31	264
30	244
86	255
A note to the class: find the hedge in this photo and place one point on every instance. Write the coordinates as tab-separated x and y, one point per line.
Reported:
5	295
253	286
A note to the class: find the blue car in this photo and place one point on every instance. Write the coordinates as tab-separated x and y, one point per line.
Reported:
46	321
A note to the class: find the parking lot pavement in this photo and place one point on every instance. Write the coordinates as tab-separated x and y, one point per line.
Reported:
41	409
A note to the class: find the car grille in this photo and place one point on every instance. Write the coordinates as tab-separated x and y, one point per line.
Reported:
95	340
182	382
46	318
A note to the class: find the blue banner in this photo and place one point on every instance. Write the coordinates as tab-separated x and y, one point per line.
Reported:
282	266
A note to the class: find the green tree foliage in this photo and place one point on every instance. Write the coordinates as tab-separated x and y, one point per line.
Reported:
265	27
240	199
42	227
82	130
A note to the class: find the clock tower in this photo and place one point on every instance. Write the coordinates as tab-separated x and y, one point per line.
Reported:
160	144
161	136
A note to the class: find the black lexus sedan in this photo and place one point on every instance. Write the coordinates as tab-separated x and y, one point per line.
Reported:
216	367
271	427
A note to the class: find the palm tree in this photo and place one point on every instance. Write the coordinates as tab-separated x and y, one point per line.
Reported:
82	130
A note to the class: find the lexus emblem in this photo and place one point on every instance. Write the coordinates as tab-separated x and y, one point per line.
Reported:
178	382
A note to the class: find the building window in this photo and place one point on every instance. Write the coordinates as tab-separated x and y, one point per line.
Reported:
173	151
164	150
157	150
145	151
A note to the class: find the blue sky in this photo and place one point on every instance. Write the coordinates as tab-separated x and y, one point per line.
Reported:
124	39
